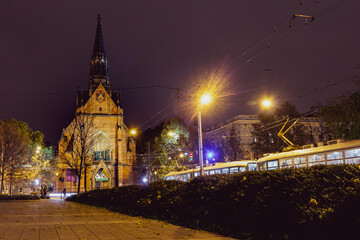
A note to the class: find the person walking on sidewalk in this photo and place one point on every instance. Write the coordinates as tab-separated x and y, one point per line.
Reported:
64	192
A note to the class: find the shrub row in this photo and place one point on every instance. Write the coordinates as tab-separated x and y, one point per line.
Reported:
18	197
307	203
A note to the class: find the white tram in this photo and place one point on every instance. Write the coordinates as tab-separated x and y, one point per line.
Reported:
218	168
333	152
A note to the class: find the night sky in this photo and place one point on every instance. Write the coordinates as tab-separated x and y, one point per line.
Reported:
46	48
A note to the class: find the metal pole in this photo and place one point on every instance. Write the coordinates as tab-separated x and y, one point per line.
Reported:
148	162
200	146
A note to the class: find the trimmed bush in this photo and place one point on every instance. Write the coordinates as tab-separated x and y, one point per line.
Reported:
304	203
18	197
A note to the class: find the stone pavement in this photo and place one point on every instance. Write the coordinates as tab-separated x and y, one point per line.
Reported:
58	219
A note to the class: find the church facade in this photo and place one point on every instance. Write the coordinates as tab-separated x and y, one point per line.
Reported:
109	153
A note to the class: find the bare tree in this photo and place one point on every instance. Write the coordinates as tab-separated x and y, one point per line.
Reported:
76	145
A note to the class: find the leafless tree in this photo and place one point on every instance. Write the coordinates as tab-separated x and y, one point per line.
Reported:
76	145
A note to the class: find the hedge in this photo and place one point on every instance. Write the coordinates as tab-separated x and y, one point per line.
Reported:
317	202
18	197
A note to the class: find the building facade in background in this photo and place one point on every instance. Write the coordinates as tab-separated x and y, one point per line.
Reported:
235	136
112	148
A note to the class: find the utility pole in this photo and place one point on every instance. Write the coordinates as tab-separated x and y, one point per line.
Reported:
148	162
201	158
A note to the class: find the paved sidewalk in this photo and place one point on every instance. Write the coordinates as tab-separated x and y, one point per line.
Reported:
58	220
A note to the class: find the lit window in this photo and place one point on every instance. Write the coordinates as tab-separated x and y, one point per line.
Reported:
316	158
101	148
352	153
252	166
300	160
285	163
224	170
272	165
234	170
334	155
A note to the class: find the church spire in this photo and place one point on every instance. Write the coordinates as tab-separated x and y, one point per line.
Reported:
98	65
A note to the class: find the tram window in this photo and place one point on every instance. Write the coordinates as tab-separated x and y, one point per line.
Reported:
316	158
316	163
284	163
217	171
242	169
262	166
185	177
352	153
300	160
272	165
206	172
334	155
234	170
224	170
196	174
352	160
252	166
335	162
212	172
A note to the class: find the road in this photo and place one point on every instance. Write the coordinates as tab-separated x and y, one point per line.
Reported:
57	220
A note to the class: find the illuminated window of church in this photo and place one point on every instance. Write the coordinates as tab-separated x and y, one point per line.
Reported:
101	149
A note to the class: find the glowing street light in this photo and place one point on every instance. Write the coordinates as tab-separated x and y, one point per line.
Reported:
38	148
205	99
133	132
266	103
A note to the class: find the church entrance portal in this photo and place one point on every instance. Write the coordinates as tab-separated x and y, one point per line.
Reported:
101	179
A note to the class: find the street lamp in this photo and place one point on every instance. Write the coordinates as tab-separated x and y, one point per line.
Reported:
266	103
38	149
204	100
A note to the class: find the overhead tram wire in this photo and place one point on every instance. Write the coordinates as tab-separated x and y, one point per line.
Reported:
280	122
276	38
166	107
74	92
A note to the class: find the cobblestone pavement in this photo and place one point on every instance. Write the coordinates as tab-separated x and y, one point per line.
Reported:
58	219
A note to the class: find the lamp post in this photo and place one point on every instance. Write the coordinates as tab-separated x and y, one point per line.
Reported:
205	99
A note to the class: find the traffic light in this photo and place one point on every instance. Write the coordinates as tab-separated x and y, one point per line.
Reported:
191	156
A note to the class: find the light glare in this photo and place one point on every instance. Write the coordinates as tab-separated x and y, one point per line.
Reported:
266	103
205	99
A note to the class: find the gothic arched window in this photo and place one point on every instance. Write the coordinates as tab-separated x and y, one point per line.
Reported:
101	149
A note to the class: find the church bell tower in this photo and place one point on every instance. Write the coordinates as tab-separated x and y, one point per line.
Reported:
98	64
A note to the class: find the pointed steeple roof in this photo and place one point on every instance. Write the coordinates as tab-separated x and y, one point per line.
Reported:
99	42
98	65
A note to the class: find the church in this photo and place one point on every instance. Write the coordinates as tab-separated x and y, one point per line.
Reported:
108	156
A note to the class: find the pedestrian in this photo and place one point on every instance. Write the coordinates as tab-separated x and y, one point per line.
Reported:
64	192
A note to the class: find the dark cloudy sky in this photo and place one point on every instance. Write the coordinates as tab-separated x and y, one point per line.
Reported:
46	47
